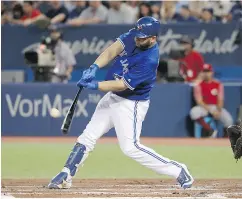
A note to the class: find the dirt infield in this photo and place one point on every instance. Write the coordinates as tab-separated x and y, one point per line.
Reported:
119	189
100	188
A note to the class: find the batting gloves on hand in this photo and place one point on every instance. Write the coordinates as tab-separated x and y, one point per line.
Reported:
90	85
89	74
87	78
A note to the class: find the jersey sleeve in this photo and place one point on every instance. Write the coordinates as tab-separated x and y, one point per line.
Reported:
136	75
127	40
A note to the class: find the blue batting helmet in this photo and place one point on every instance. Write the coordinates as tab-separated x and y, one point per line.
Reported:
146	27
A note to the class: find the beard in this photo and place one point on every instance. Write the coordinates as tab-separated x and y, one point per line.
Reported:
144	45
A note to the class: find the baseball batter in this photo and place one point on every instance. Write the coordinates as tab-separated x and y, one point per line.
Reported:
209	96
128	84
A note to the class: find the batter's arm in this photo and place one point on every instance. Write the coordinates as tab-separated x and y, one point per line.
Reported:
112	85
109	54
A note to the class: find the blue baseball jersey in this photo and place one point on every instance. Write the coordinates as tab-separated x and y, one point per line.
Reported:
136	67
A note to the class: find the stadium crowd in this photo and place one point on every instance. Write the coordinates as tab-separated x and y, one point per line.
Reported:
77	13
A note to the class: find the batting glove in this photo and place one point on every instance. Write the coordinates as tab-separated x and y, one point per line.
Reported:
89	74
90	85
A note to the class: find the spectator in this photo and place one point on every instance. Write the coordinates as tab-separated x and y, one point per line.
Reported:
3	9
134	7
168	11
179	5
236	11
58	13
16	13
69	5
196	7
193	60
144	10
106	4
209	96
79	7
120	13
185	15
220	9
43	6
155	8
94	14
207	15
30	15
3	13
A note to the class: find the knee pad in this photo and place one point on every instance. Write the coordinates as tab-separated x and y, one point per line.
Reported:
76	158
86	140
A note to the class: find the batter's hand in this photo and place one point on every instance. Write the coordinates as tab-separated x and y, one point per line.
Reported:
89	74
90	85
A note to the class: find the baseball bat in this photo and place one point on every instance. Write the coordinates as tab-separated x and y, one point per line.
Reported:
69	115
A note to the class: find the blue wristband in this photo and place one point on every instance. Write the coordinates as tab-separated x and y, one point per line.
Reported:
95	66
96	86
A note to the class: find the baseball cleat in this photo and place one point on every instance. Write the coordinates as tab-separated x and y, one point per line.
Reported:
60	182
185	179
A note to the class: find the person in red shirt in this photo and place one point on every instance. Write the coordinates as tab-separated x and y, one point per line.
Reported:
29	11
209	96
30	16
193	60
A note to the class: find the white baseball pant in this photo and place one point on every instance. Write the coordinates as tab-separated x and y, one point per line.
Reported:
126	116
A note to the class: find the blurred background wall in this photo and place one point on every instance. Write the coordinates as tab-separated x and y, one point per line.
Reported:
88	28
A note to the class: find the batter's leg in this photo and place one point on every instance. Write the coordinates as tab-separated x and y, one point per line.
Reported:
127	119
99	124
